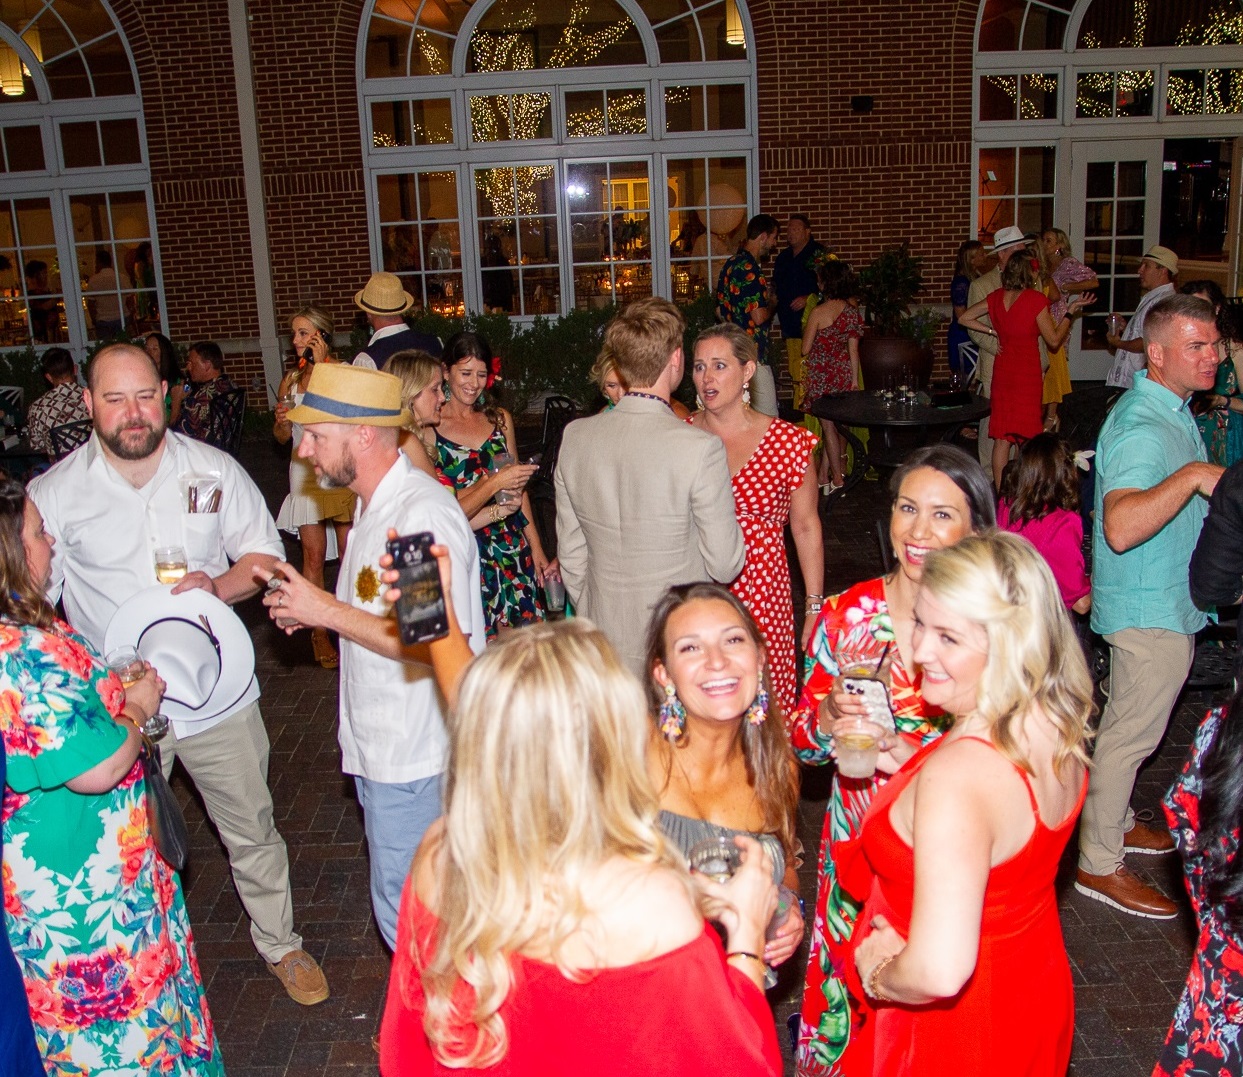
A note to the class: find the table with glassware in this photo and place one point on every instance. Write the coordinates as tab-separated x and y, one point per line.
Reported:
881	412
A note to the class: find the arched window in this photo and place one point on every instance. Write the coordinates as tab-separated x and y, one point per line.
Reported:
537	156
77	242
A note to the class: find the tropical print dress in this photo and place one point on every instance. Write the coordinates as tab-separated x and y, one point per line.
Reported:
510	593
1206	1036
856	622
95	917
1222	430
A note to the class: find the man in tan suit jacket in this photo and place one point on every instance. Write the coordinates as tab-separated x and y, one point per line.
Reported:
643	499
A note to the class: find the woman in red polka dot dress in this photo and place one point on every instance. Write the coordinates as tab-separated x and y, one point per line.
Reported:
774	482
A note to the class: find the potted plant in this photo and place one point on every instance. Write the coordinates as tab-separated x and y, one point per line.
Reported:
898	344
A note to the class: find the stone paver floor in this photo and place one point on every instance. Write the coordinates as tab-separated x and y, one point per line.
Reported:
1128	972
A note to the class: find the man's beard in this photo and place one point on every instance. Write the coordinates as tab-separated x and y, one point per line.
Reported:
131	450
340	476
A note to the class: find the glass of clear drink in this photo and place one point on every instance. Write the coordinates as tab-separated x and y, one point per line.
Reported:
170	563
128	665
717	858
505	497
857	742
786	900
554	597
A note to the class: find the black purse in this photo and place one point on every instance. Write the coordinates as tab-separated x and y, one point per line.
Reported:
168	824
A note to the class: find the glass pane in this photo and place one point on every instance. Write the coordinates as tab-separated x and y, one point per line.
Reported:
584	113
1184	93
1135	90
626	112
1037	169
105	317
399	247
121	142
14	82
506	117
1098	255
390	124
1100	179
444	293
517	35
8	232
67	77
48	36
85	21
129	218
995	214
1130	218
726	107
541	291
433	121
679	42
34	223
1173	22
1039	101
500	286
1099	219
79	144
997	94
1094	94
438	196
1035	214
388	44
721	29
396	198
1223	92
24	148
1043	29
45	301
1000	26
684	108
109	67
1131	179
537	240
997	171
442	245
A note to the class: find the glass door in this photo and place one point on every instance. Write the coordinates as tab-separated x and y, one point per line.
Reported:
1116	200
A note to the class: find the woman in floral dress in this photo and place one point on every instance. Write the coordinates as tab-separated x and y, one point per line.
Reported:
941	495
1205	810
470	437
774	482
831	345
95	916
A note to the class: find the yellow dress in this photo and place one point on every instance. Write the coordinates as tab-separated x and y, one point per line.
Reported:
1057	376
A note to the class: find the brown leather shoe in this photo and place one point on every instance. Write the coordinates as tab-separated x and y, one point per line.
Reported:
1147	840
302	978
1124	891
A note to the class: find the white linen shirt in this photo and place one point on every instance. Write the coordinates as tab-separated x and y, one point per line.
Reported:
106	532
392	714
1127	364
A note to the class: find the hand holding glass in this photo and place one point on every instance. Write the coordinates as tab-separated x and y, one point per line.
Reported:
128	665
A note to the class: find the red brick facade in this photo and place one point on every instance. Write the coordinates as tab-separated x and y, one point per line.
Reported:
899	172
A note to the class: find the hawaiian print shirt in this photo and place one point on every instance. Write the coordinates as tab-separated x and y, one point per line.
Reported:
740	289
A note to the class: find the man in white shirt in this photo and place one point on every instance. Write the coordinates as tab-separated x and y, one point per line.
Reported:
108	505
392	716
386	302
1157	270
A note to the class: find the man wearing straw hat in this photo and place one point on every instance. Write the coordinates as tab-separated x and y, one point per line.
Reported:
392	720
385	301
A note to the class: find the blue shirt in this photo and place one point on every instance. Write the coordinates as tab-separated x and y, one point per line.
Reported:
1148	436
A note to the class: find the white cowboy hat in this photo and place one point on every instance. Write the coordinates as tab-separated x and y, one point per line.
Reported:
195	642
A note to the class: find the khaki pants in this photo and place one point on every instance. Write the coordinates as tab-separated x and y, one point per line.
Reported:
229	766
1147	668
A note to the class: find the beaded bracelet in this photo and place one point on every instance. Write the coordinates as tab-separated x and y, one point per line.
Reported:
873	981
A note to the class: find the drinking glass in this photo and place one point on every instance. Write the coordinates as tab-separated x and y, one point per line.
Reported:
554	595
170	563
786	900
128	665
505	497
717	858
857	742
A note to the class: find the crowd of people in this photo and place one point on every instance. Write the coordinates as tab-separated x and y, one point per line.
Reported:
592	824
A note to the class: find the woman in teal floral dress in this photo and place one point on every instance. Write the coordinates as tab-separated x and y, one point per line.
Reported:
95	917
468	441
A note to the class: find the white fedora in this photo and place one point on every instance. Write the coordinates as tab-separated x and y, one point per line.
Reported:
195	642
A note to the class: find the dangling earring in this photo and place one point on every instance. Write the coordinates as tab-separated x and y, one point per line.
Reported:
444	389
746	394
699	402
758	711
672	714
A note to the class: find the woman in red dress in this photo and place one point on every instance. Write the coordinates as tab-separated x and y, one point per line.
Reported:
958	951
1020	317
774	482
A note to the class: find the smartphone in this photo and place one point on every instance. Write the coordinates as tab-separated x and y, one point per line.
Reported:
421	615
876	696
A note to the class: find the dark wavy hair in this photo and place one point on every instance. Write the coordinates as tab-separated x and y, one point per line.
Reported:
170	369
771	771
1227	323
963	470
466	345
1221	814
837	280
1041	479
21	599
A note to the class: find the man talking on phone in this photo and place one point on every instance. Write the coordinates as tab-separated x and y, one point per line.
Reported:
392	730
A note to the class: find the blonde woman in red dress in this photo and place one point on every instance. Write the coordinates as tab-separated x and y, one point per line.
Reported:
774	482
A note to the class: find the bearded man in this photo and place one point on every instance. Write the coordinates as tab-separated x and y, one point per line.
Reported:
108	505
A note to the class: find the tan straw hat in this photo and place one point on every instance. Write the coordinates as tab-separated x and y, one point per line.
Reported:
1164	257
384	295
339	393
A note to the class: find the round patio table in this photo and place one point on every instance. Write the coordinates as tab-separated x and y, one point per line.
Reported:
869	410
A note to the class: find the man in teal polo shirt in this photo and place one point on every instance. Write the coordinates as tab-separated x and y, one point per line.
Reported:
1151	490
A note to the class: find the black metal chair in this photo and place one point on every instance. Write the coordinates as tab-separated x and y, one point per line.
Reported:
224	425
68	436
559	412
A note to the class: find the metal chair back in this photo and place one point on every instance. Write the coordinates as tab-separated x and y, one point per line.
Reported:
228	410
68	436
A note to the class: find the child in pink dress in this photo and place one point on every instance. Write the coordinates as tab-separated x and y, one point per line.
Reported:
1040	501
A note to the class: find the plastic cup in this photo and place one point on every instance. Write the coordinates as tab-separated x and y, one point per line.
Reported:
505	497
554	594
858	744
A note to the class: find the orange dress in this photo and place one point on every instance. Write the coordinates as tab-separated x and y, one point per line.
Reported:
1016	1014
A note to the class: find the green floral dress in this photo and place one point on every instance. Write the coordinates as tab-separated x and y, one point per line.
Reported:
95	917
510	593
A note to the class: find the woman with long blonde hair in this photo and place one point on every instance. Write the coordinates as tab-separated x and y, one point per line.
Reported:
546	904
958	951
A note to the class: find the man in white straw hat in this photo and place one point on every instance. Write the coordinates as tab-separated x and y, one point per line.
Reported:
1157	270
392	730
1006	244
385	302
109	504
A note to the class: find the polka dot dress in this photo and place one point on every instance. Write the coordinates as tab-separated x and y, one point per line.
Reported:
762	490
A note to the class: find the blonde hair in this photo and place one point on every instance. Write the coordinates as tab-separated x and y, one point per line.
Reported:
1000	582
605	365
539	792
319	318
417	370
741	343
642	338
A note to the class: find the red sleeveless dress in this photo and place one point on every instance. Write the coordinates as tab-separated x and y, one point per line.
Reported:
1016	1014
